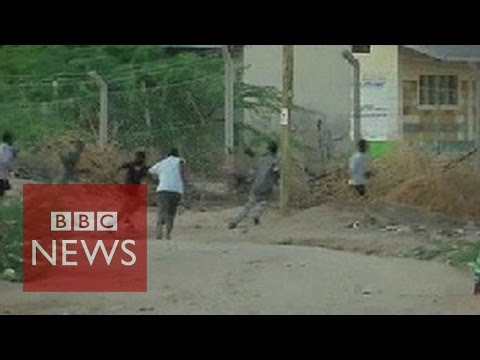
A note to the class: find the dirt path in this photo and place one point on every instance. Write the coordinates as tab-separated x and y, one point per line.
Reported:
328	227
211	271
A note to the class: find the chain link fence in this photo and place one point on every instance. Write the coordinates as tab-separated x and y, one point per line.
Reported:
187	115
158	119
154	116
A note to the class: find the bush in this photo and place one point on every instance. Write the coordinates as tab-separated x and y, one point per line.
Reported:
11	224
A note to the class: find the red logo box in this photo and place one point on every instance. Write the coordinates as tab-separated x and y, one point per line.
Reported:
85	238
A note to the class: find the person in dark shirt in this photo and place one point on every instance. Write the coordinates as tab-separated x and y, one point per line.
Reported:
137	170
70	160
267	176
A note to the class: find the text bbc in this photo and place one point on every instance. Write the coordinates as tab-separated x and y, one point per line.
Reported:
84	221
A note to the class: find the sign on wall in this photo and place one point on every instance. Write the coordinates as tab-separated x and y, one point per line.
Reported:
379	110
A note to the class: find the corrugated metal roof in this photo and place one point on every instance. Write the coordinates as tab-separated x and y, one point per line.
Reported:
449	52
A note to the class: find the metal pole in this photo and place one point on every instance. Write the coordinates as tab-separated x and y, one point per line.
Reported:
357	96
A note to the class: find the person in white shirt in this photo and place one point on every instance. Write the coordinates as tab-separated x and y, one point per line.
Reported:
170	173
7	155
360	168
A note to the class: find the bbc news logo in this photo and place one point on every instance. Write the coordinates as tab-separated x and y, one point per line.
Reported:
84	221
102	221
85	238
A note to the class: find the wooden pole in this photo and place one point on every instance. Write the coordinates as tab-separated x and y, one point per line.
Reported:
477	117
286	119
103	126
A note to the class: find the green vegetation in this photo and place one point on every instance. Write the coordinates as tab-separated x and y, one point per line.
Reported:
11	220
458	254
380	150
157	99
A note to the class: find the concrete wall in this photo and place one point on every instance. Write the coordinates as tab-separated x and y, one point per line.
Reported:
323	79
323	84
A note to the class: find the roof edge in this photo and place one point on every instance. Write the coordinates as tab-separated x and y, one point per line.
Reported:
422	49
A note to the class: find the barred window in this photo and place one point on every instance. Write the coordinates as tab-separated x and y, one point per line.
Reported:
439	90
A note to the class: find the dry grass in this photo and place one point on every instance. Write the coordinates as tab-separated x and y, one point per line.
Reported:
100	166
403	164
407	177
416	179
456	194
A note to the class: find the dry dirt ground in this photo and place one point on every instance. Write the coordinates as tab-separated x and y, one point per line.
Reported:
284	266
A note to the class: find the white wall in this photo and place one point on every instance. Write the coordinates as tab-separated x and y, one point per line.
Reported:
380	93
323	80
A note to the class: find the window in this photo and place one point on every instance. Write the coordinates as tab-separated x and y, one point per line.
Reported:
438	90
361	49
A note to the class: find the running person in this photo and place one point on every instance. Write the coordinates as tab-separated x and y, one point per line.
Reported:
170	173
266	177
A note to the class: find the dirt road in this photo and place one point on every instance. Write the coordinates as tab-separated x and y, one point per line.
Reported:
211	271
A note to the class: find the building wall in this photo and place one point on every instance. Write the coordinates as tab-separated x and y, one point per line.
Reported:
323	83
323	79
436	123
380	92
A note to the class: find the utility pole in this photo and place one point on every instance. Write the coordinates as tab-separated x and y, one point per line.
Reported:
229	107
357	99
148	116
477	118
286	126
103	127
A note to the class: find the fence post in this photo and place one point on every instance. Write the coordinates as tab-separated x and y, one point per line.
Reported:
103	126
55	89
148	116
229	107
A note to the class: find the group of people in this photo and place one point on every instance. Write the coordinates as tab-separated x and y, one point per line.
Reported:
170	173
171	176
